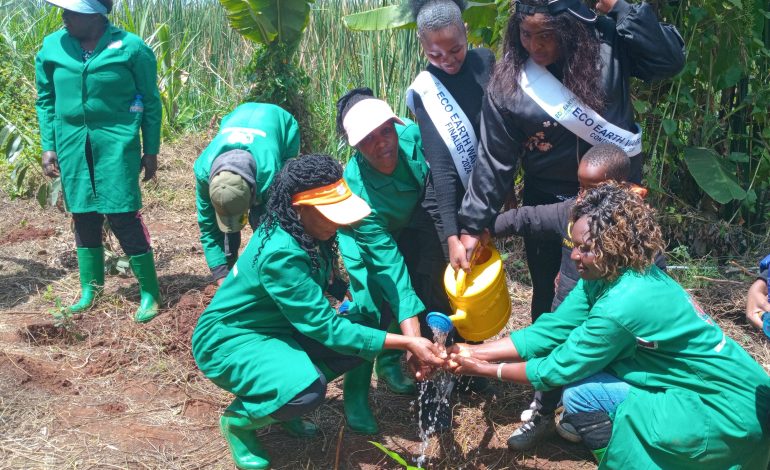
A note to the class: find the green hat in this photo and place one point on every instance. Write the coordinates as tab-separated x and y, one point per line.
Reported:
230	195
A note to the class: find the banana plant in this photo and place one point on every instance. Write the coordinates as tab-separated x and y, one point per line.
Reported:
485	20
268	21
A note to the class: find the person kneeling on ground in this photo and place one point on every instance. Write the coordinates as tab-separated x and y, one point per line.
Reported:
651	381
601	163
269	336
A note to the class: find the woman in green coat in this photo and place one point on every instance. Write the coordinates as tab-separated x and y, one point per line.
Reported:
651	381
393	257
270	336
97	91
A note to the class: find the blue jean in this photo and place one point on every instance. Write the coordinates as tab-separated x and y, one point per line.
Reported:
599	392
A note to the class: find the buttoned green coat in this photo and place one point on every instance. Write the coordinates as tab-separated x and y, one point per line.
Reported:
376	267
90	100
244	341
266	131
697	399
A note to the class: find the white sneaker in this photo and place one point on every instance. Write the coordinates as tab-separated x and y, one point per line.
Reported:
527	414
566	430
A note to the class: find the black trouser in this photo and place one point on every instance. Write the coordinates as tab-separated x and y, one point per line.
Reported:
128	227
313	396
233	240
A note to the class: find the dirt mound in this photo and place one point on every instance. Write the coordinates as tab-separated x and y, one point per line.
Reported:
31	372
176	325
24	234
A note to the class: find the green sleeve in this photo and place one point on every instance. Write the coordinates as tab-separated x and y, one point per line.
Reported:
291	139
552	329
286	276
46	96
212	239
146	78
593	345
386	267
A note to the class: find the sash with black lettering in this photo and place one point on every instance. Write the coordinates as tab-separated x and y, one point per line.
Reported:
450	121
562	105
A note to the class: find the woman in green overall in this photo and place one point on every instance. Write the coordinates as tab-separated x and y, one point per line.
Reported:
270	336
97	90
393	257
650	380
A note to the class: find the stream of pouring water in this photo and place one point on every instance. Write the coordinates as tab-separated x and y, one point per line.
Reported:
433	399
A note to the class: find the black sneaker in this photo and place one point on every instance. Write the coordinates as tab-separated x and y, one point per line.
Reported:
532	432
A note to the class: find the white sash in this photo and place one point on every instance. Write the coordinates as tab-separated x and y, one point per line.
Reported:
562	105
450	121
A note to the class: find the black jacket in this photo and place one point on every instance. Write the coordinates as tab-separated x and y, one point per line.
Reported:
549	221
467	87
514	128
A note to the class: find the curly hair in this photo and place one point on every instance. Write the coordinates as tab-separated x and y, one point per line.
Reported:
622	229
346	101
299	174
579	45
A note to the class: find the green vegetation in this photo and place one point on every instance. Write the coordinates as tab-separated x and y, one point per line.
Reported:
707	132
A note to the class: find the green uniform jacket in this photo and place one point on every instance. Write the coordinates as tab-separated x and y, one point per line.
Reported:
698	400
375	265
243	341
266	131
78	100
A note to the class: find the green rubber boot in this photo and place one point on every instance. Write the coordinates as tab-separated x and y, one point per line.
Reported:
143	267
240	433
388	368
300	428
355	397
91	267
599	454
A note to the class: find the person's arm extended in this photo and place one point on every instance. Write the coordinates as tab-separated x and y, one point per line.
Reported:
547	220
501	350
377	250
145	72
212	239
493	172
442	171
757	302
656	50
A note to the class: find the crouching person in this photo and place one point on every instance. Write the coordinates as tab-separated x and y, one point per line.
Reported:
650	380
270	337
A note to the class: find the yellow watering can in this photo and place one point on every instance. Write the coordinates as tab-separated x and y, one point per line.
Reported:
480	298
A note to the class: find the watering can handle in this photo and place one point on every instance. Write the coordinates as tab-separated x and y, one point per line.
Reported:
460	275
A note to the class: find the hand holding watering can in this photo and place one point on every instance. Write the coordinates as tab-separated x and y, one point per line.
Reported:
479	297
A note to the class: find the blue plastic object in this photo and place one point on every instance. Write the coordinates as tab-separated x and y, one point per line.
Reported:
344	307
440	322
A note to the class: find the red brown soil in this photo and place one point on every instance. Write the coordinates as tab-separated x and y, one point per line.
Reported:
25	234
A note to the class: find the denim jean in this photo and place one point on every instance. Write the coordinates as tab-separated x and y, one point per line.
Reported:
599	392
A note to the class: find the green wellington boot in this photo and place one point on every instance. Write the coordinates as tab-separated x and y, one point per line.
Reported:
91	267
388	368
143	267
599	454
300	428
240	433
355	397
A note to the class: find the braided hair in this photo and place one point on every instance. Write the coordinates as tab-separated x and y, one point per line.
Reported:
347	101
622	229
299	174
434	15
579	45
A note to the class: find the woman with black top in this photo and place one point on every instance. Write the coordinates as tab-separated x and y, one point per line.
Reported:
562	86
463	75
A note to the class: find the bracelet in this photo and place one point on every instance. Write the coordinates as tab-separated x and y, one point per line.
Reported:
500	371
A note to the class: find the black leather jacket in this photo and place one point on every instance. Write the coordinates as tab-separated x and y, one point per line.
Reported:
515	129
